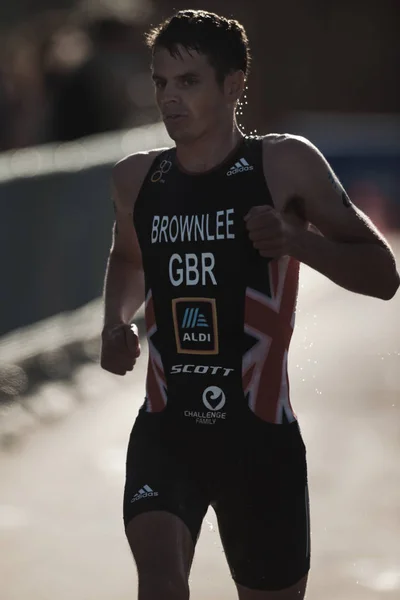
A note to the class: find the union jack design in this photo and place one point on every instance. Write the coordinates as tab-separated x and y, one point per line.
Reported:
270	321
156	386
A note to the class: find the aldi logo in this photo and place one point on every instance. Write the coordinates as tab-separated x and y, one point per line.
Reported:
195	324
193	318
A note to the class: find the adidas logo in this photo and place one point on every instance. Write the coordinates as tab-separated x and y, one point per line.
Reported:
193	318
144	492
239	167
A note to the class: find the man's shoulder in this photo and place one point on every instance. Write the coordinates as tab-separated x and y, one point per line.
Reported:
290	153
286	142
129	174
288	162
134	167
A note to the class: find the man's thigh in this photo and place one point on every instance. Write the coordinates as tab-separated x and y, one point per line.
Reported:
160	478
263	511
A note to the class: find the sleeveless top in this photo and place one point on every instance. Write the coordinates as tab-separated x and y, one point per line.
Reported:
219	316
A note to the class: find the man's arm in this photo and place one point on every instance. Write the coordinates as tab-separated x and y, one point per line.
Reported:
350	251
124	280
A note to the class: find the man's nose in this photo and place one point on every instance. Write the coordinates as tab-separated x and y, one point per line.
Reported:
170	94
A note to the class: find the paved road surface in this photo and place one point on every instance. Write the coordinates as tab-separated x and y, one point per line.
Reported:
61	534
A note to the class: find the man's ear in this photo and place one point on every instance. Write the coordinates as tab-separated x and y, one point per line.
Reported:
234	86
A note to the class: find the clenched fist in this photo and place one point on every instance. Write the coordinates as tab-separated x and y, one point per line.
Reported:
120	348
270	231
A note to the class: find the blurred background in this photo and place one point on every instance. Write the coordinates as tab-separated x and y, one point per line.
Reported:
73	71
75	97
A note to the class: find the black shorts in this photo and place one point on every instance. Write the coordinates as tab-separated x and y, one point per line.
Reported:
255	478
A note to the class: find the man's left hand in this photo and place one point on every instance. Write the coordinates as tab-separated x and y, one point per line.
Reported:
270	231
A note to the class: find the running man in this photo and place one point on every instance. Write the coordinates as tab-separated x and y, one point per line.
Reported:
210	234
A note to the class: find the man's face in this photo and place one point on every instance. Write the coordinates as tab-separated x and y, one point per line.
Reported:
188	95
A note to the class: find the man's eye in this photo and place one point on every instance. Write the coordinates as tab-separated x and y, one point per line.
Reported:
188	81
159	84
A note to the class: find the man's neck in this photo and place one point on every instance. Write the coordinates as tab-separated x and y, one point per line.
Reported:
209	151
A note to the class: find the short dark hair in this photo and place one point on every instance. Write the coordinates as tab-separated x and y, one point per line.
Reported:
223	41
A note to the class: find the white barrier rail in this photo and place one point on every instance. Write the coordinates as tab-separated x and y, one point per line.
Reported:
81	154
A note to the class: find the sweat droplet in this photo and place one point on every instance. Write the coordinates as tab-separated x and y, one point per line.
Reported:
210	525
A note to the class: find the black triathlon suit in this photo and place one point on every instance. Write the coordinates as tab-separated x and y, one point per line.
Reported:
217	427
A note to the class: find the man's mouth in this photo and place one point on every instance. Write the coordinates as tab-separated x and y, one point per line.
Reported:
174	117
